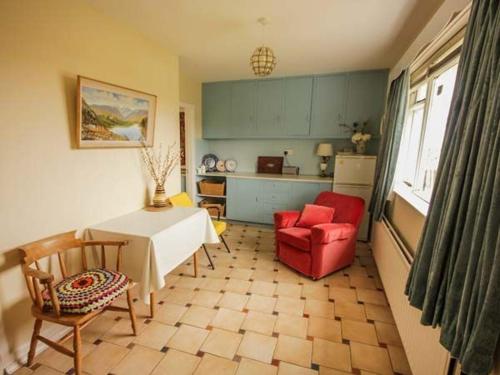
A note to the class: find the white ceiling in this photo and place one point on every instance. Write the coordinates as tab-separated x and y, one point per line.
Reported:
215	38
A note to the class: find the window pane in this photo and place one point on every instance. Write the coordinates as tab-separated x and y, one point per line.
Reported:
411	144
421	92
442	92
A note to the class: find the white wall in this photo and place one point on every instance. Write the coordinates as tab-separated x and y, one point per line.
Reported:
47	186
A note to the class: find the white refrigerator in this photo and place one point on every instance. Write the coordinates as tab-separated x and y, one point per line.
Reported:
354	175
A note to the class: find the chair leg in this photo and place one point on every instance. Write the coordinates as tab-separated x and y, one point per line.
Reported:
131	312
77	349
225	244
34	340
208	256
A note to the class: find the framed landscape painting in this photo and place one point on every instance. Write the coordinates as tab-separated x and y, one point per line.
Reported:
113	116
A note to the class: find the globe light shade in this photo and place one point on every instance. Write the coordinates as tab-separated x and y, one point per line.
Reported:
263	61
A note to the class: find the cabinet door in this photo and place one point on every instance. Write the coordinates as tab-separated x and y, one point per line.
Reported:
328	106
243	109
242	199
365	99
302	193
270	108
298	93
216	109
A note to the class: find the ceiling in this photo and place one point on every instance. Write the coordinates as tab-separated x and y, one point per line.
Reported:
215	38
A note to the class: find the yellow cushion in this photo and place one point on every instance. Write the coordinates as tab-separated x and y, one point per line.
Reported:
220	226
181	200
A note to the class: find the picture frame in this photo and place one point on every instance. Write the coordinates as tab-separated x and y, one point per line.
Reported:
108	115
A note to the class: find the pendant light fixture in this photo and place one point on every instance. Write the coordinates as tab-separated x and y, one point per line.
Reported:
262	60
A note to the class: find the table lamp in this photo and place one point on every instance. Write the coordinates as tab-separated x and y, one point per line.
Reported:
325	150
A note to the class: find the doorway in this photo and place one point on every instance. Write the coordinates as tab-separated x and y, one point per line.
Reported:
187	148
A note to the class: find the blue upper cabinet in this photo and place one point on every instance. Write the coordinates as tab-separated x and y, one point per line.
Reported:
365	98
243	109
270	108
298	96
216	109
329	106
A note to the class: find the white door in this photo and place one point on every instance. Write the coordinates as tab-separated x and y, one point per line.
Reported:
354	169
364	192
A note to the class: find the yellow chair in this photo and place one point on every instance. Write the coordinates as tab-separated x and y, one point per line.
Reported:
183	200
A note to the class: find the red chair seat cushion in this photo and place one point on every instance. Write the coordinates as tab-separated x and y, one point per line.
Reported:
314	214
87	291
296	236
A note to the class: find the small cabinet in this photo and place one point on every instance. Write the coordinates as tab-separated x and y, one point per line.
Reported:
298	96
270	108
329	106
241	202
243	108
216	109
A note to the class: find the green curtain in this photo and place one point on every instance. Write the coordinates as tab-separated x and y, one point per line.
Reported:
392	128
455	278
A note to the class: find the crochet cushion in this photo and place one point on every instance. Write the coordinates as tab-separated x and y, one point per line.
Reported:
87	291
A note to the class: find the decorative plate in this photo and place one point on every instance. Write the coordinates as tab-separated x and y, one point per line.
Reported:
231	165
220	166
210	162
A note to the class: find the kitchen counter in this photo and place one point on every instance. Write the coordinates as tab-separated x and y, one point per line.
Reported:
268	176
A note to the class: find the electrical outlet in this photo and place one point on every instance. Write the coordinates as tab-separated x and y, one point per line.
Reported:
288	152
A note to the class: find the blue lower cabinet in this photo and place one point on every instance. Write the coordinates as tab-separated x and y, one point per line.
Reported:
241	199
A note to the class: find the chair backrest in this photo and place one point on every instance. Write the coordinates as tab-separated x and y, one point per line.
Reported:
348	209
181	200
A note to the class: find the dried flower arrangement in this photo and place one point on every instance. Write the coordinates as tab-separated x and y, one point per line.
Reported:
160	166
359	136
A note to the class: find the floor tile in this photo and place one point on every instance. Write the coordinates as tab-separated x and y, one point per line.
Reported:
379	313
343	294
350	310
292	306
170	313
44	370
289	290
370	358
206	298
121	333
330	371
362	282
359	331
263	275
211	365
327	329
188	282
261	303
294	350
263	288
356	271
323	309
59	361
140	360
180	296
257	346
371	296
339	280
155	335
198	316
259	322
241	273
215	285
291	325
237	286
178	363
332	354
97	328
230	320
251	367
222	343
398	360
103	358
188	339
291	369
388	334
315	291
233	301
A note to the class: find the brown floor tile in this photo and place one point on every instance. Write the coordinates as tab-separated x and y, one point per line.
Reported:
140	360
263	288
379	313
289	290
350	310
331	354
198	316
206	298
233	301
178	363
371	296
291	325
323	309
261	303
294	350
211	365
251	367
188	339
370	358
353	330
103	358
343	294
257	346
259	322
327	329
315	291
155	335
230	320
292	306
291	369
398	360
388	334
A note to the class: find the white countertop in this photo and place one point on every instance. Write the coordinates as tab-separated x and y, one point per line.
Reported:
268	176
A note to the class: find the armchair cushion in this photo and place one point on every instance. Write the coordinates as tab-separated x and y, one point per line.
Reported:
326	233
314	215
286	219
87	291
295	236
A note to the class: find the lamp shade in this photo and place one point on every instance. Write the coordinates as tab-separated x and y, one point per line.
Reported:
324	149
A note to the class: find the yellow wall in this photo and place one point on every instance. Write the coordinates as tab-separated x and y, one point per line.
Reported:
190	93
46	185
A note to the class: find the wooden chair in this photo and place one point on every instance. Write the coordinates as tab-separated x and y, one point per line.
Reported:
36	278
183	200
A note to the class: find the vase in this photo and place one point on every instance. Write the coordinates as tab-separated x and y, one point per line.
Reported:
360	147
160	199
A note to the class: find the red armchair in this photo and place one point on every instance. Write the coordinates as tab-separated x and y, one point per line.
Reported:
323	248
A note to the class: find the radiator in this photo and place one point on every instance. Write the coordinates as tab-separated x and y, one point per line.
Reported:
425	355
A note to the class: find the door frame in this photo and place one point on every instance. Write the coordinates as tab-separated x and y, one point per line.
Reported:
190	125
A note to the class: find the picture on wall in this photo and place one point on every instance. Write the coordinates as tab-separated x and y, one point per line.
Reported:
113	116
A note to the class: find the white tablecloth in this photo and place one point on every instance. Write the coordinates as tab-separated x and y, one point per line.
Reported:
158	242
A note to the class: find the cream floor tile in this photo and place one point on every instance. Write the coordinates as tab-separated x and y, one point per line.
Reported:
230	320
398	360
198	316
343	294
259	322
350	310
241	273
370	358
44	370
287	276
222	343
339	280
155	335
188	282
323	309
264	264
219	272
188	339
140	360
327	329
233	301
98	328
23	371
180	296
170	280
263	288
215	285
292	306
170	313
261	303
121	333
289	290
363	332
294	350
291	369
314	291
355	271
251	367
211	365
244	263
330	371
61	362
263	275
371	296
103	358
379	313
362	282
332	354
178	363
291	325
238	286
388	334
206	298
257	346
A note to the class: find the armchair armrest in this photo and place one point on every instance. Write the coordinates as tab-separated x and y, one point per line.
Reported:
326	233
286	219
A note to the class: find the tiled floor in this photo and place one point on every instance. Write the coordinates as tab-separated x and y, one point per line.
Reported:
252	315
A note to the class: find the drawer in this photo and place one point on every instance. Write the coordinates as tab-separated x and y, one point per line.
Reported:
275	187
268	211
274	197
